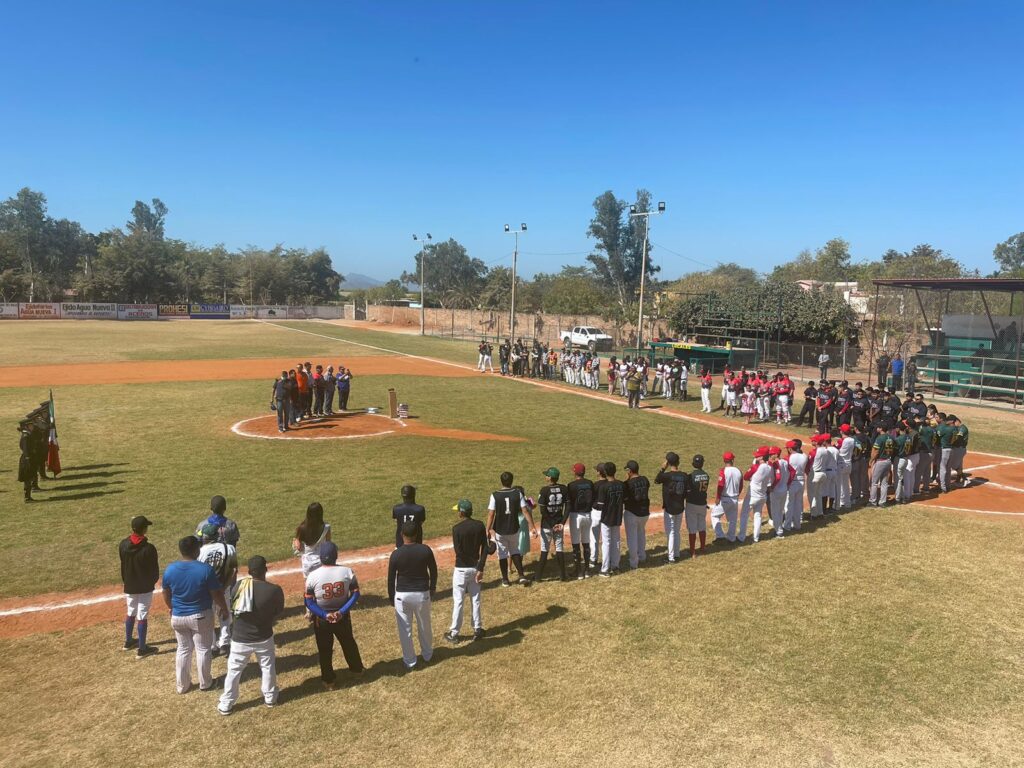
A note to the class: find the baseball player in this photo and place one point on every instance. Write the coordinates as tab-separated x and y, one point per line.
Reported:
595	519
673	500
778	501
227	530
705	390
408	512
727	498
581	504
795	501
140	572
469	540
696	507
958	444
880	467
224	561
552	500
831	485
503	511
609	496
481	354
331	592
637	504
783	398
759	485
412	582
847	446
908	447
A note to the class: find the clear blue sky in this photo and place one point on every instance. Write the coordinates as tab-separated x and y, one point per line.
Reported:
767	128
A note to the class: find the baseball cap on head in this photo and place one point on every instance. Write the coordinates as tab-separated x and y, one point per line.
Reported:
578	469
761	451
728	456
465	506
844	428
140	523
328	553
632	466
774	451
793	444
210	532
697	460
552	472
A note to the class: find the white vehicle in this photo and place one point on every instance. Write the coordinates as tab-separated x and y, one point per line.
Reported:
584	336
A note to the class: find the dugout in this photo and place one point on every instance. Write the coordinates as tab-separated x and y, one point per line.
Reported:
969	355
696	356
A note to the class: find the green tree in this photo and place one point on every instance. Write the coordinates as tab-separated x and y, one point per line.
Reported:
392	290
618	260
452	278
24	226
1009	255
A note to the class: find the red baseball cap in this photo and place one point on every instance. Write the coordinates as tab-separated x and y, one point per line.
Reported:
791	443
844	428
578	469
728	456
774	451
761	451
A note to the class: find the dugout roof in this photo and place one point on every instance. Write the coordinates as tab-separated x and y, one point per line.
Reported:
998	284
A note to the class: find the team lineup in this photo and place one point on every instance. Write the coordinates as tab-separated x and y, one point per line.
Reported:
870	446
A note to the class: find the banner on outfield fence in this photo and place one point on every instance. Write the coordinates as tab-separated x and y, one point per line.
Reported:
88	311
172	310
137	312
39	311
209	311
307	313
272	311
240	311
8	311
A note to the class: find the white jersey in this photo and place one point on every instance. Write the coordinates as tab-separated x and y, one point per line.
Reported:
820	461
798	461
310	553
761	481
222	558
733	483
846	452
831	459
331	586
782	481
684	374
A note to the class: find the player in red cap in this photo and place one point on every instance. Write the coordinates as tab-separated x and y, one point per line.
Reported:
795	503
727	498
818	459
780	489
846	448
760	479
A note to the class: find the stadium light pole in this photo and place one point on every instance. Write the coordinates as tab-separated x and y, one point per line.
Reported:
423	258
633	212
515	258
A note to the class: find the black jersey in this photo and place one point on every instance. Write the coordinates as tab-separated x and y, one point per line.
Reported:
672	481
637	497
581	496
553	501
506	504
697	487
609	499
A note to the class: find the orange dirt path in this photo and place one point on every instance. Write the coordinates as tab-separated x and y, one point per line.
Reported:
355	425
151	371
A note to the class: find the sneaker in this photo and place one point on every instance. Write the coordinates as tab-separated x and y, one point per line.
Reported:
605	574
523	581
129	644
224	712
269	704
478	633
146	650
451	637
506	583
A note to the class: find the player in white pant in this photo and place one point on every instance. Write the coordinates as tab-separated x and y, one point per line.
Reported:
609	498
779	499
705	391
581	505
471	546
673	494
795	503
637	513
730	485
847	445
412	581
817	476
596	532
760	477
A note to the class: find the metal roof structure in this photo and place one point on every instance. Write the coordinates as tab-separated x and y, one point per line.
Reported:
997	284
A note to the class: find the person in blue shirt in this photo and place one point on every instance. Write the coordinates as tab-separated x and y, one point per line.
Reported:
190	589
897	372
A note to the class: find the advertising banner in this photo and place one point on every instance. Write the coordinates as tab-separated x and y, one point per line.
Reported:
172	310
137	312
8	311
240	311
209	311
39	311
88	311
272	312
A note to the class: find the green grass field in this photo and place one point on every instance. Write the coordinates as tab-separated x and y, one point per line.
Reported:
883	638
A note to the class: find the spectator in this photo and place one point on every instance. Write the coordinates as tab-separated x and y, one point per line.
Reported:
897	372
823	363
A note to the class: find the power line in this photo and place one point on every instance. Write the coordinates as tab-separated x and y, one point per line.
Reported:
688	258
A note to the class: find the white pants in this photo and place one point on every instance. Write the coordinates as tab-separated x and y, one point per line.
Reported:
815	490
779	502
611	535
409	606
730	506
761	403
636	537
238	660
464	583
794	506
507	544
195	635
667	388
225	625
138	605
756	504
705	400
550	539
579	528
782	408
914	460
595	536
673	525
480	362
845	489
487	364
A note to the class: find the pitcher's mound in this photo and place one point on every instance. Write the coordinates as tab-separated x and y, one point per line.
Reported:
350	426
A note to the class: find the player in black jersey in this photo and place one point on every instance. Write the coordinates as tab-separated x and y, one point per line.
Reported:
552	500
503	527
609	498
581	504
697	504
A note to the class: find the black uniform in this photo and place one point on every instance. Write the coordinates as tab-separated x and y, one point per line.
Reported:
554	510
810	396
26	473
469	539
408	513
669	479
581	501
610	498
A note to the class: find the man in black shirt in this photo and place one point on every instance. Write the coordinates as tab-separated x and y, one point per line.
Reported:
408	512
469	540
609	499
858	409
637	503
581	505
554	511
503	527
673	494
140	572
256	605
697	505
810	395
412	581
280	400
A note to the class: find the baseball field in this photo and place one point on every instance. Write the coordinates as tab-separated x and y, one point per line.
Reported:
880	637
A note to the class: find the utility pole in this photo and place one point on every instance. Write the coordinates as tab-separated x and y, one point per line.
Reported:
515	259
423	305
633	212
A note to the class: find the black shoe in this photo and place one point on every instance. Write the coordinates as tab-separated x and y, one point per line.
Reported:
524	582
28	499
451	637
478	634
145	650
129	644
506	583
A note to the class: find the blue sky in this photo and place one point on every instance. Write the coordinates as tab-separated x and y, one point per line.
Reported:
767	128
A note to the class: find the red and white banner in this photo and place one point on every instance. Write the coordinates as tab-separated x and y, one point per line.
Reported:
39	311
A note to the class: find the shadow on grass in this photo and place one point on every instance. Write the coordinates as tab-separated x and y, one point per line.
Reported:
500	636
85	486
88	475
82	496
95	466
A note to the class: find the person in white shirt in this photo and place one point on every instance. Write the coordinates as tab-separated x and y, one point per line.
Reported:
760	478
817	476
684	377
730	485
224	561
779	498
831	487
823	361
846	447
795	503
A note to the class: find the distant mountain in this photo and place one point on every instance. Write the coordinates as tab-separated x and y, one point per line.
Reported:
354	281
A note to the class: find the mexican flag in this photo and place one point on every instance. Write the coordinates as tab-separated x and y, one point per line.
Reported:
53	452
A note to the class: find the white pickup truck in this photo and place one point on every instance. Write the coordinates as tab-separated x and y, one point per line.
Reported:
590	338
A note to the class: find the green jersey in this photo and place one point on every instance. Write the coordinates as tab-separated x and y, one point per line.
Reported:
886	446
945	432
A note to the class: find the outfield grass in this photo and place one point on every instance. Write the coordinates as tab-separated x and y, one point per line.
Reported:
885	638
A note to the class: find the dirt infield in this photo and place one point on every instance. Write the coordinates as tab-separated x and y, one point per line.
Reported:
355	425
153	371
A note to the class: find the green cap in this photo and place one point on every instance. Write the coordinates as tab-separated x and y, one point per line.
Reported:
551	472
464	505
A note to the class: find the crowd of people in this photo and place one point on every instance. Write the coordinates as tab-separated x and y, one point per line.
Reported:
898	449
306	392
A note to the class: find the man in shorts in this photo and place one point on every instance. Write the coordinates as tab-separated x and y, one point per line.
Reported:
503	527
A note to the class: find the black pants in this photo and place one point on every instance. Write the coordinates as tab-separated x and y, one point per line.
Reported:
318	401
634	398
808	411
325	632
329	400
343	399
897	382
823	423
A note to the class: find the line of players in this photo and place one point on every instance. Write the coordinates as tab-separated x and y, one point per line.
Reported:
304	392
